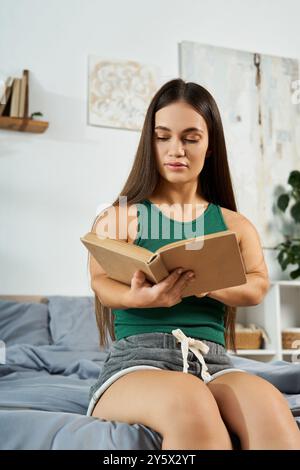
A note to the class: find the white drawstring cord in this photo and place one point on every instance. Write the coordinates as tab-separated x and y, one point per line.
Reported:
195	345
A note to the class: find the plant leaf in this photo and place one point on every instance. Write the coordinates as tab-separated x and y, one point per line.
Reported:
280	256
295	211
294	179
294	274
283	202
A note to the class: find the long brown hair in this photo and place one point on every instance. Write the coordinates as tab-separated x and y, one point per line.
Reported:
215	179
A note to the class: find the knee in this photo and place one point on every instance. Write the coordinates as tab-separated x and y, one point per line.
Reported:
191	398
207	432
192	409
268	398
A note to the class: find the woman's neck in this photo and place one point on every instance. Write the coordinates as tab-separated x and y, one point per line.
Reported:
161	196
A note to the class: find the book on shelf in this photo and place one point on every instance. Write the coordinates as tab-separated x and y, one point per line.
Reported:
215	259
14	106
23	101
14	102
5	99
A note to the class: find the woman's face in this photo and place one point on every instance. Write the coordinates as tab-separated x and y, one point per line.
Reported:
175	144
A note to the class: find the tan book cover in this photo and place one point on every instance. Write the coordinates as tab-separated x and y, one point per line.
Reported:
215	259
23	94
4	101
14	107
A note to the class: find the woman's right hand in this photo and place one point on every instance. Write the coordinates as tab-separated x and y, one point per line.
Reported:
166	293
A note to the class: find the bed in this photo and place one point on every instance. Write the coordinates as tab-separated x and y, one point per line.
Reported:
49	358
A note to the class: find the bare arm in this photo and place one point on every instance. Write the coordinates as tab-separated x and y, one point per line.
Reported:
249	294
257	285
111	293
141	293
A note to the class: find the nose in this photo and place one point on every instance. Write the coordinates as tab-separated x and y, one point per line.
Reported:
176	149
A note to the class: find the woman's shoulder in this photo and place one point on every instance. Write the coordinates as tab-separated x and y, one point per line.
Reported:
235	221
132	223
118	222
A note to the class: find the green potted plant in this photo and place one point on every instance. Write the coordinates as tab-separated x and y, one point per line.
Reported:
289	250
33	115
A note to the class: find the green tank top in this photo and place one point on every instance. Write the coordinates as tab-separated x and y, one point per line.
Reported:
201	318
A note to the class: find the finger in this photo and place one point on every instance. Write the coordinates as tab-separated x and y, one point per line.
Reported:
202	295
182	282
169	281
138	279
175	302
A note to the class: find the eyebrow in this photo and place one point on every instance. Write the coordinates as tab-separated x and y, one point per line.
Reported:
188	129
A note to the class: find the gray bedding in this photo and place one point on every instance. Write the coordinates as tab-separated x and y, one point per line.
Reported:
52	358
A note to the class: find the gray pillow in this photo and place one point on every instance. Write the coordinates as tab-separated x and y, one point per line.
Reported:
24	323
73	322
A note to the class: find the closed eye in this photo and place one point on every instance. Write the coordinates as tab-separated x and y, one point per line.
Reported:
187	140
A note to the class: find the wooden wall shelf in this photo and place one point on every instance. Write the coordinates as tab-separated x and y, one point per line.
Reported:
23	124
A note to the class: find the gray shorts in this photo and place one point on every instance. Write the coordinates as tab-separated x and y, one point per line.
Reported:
162	351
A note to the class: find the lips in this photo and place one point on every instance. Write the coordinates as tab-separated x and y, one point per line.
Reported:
176	164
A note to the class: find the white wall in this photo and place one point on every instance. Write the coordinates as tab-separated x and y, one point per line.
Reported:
51	184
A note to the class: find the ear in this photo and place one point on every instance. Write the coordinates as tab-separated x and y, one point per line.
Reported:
208	153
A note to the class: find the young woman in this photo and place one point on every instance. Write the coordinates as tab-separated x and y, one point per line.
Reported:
157	335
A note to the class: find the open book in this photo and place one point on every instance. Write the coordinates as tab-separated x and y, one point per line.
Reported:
215	259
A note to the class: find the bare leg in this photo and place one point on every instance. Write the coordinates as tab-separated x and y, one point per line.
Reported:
189	436
179	406
256	411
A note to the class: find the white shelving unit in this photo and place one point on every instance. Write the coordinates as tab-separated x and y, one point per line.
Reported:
280	309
